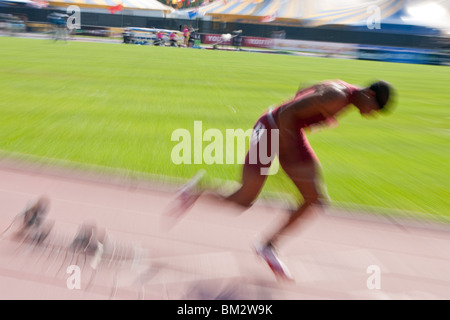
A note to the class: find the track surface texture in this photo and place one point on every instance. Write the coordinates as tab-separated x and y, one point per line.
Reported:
208	253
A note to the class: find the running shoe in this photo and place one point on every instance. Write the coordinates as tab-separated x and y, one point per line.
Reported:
185	197
268	253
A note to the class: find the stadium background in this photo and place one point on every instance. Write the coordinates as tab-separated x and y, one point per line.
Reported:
329	260
347	24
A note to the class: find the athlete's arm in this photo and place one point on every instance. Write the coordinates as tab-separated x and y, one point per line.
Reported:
322	102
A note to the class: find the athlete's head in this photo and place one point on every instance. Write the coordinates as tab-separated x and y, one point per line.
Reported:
383	91
374	98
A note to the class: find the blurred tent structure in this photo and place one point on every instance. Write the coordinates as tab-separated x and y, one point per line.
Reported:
433	14
311	13
115	5
306	12
301	19
427	14
28	3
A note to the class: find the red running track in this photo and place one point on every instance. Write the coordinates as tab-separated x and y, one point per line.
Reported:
208	254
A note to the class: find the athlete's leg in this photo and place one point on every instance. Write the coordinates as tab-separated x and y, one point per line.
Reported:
251	184
253	177
242	198
307	178
254	169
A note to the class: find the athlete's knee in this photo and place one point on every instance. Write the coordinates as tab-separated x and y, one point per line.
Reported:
243	197
251	186
241	201
313	200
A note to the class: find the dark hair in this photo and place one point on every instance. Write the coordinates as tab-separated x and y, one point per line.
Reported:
383	92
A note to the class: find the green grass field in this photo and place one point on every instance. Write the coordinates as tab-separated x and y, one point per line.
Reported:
116	105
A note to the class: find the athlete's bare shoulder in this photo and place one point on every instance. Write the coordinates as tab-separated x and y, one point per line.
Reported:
329	93
333	88
327	98
331	98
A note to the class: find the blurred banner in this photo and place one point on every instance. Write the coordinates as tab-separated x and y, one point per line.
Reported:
216	39
258	42
400	55
317	47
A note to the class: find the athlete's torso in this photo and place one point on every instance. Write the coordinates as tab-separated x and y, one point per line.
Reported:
320	116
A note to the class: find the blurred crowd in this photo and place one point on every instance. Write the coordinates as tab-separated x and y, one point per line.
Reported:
11	24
